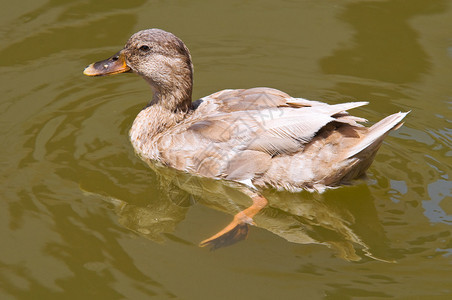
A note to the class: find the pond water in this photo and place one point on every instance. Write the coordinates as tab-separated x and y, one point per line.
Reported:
83	218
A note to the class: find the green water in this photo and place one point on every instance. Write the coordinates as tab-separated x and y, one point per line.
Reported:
83	218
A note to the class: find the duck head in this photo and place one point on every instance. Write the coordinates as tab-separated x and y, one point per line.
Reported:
162	59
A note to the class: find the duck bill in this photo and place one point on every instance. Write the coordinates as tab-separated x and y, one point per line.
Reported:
113	65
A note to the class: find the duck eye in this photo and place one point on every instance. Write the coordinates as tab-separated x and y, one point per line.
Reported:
144	48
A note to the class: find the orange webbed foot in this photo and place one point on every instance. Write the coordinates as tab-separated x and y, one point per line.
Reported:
238	229
236	234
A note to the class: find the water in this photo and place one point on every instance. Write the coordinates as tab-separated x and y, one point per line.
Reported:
82	217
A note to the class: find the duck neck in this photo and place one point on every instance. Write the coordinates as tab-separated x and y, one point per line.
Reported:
175	94
170	104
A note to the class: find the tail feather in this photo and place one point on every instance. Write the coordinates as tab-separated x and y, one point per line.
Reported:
378	131
338	108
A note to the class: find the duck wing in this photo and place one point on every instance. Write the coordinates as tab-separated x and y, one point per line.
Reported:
267	120
238	132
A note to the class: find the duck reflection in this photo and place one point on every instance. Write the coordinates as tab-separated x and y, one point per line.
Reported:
343	221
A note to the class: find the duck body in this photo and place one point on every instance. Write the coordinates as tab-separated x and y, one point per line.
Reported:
261	137
258	137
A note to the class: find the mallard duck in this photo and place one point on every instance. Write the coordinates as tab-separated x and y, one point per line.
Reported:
256	138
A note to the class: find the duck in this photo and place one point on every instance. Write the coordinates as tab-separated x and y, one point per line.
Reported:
254	139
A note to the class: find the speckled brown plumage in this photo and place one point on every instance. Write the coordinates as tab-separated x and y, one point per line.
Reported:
261	136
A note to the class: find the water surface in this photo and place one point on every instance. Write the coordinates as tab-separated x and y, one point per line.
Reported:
83	218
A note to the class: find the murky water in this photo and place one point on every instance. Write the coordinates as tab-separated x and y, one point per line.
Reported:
83	218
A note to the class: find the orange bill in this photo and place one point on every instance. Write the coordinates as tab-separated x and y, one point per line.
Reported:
113	65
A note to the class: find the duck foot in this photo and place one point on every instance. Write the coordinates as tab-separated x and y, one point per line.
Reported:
228	238
237	230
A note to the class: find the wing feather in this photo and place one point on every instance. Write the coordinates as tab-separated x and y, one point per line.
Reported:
269	120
